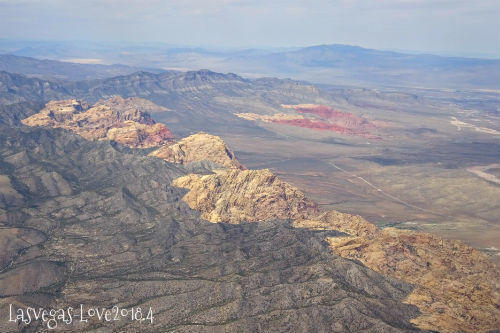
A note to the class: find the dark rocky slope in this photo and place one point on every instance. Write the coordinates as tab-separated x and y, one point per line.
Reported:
89	224
15	88
12	114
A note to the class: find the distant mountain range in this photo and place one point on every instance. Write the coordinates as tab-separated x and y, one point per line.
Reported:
328	64
60	70
343	64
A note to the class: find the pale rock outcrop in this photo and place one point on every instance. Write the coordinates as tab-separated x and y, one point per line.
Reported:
236	196
198	147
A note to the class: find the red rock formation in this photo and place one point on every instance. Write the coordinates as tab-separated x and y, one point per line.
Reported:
345	119
318	117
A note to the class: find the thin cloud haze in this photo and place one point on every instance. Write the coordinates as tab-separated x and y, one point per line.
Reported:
433	26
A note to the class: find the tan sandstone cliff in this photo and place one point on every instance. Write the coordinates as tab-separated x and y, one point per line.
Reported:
128	122
197	147
235	196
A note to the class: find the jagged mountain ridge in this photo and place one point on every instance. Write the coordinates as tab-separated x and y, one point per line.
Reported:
16	88
205	100
327	64
457	286
104	226
128	122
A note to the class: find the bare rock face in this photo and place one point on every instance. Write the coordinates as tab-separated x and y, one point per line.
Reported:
236	196
134	134
56	113
122	120
456	286
198	147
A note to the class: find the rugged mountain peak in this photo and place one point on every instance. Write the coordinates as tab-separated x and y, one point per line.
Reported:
198	147
236	196
122	120
57	112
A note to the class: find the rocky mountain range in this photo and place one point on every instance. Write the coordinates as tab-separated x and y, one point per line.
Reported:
456	286
196	99
90	225
112	196
325	64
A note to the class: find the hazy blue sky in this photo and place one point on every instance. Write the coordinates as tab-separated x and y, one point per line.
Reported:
453	26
